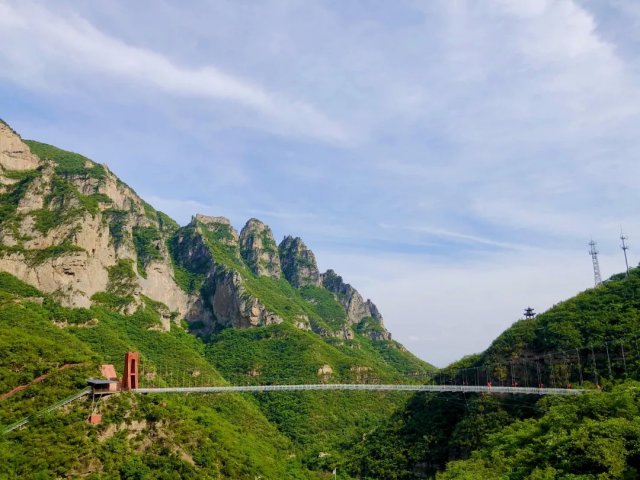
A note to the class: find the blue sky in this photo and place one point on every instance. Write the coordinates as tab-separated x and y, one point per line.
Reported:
451	159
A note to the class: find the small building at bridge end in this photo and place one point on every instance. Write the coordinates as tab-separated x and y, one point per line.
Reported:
109	384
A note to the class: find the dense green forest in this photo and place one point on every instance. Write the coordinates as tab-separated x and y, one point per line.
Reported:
480	436
275	435
281	435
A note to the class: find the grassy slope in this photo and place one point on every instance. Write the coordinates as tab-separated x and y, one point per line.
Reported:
317	421
594	437
220	436
606	313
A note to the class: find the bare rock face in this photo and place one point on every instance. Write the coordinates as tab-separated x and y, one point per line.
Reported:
233	307
160	285
223	300
345	333
298	263
61	230
351	300
14	153
302	322
220	227
259	250
356	307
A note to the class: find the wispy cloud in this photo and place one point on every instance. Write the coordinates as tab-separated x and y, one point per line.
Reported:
428	151
440	232
40	46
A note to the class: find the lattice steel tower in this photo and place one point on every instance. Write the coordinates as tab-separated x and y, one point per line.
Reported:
625	247
596	266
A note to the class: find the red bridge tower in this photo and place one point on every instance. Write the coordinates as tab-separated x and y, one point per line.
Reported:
130	376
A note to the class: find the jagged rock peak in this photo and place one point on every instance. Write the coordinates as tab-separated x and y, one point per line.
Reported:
208	220
221	228
356	307
298	263
259	249
14	153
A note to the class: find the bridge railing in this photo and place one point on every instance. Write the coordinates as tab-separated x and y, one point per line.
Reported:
365	387
49	409
586	366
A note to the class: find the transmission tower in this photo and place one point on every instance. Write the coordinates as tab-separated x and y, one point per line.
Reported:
625	247
596	266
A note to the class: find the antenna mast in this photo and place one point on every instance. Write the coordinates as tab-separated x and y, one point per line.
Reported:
596	266
625	247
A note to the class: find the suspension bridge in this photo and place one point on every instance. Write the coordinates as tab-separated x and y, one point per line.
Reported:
569	372
367	387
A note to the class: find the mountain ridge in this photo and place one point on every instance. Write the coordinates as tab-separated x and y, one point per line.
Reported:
74	222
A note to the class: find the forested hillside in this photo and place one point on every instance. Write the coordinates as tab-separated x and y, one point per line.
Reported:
591	436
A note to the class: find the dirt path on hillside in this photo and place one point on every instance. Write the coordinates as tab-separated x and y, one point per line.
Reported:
4	396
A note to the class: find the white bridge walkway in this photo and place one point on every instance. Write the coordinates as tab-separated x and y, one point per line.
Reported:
323	386
367	387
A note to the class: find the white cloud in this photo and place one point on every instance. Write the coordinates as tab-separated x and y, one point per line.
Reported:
441	232
477	124
40	46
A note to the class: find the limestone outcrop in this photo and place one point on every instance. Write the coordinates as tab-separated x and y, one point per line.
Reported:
298	263
223	298
220	228
233	307
259	249
356	307
73	229
71	221
15	155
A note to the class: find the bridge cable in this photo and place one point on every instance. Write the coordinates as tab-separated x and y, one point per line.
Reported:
606	346
579	366
552	377
595	367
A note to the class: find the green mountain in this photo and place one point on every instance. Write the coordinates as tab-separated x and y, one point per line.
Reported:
595	436
91	271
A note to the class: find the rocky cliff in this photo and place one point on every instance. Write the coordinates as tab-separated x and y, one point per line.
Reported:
70	227
259	250
209	248
66	221
298	263
359	312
